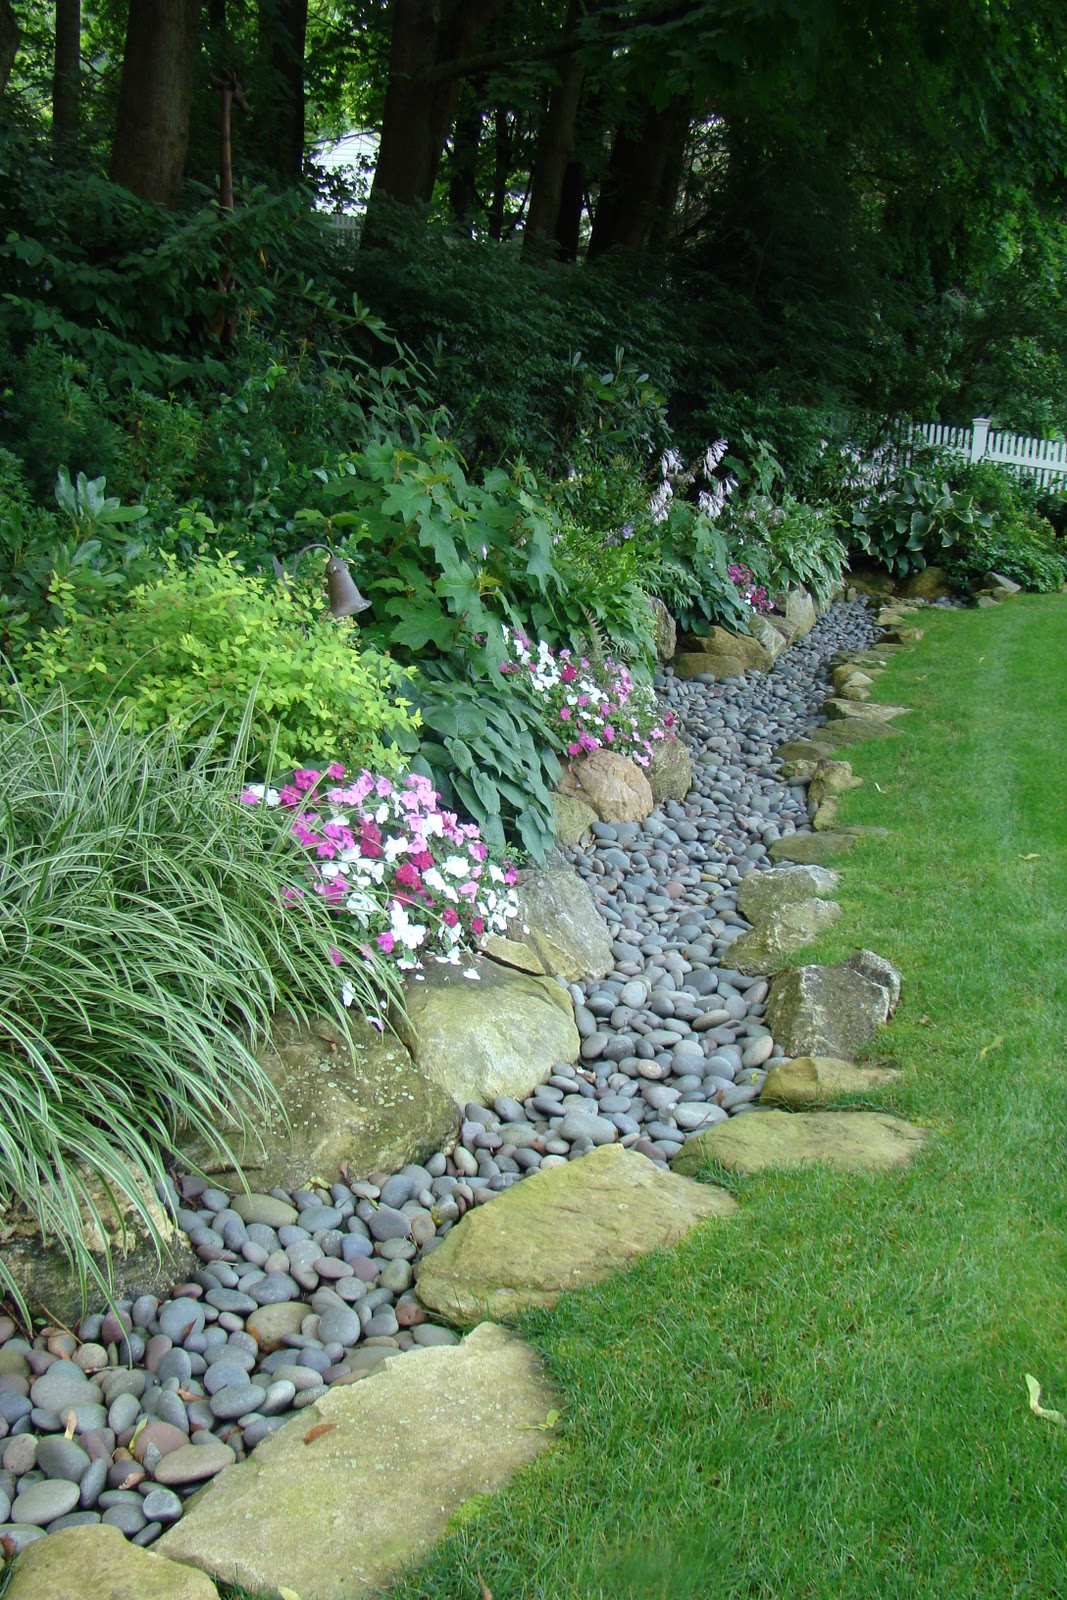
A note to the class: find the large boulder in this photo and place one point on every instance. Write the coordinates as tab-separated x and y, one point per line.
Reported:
664	629
670	771
767	635
816	1080
808	751
855	730
611	784
799	613
806	849
573	818
558	931
832	778
691	664
932	583
42	1272
747	649
781	933
559	1229
500	1034
831	1011
761	894
357	1486
856	1141
359	1100
98	1562
836	709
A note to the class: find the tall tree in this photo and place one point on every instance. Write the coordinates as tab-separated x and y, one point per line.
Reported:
152	127
279	106
639	188
555	146
9	42
418	112
66	78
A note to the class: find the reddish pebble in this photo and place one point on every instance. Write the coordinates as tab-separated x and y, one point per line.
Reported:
156	1349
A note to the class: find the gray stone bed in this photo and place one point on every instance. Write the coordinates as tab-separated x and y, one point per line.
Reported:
299	1292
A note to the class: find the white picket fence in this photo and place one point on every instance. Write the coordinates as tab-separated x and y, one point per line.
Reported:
1044	460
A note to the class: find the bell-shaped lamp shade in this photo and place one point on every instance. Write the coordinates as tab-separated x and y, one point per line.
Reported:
345	598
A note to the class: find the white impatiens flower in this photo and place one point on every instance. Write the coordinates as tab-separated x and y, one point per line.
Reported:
433	880
394	846
456	867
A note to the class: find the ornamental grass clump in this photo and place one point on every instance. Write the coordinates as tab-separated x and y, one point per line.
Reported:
589	705
417	881
147	933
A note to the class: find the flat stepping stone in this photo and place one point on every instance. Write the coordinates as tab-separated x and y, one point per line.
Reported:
854	730
839	710
338	1500
100	1563
560	1229
855	1141
809	848
819	1079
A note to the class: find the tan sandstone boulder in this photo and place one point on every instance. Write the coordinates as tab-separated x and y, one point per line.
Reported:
98	1562
559	930
670	771
560	1229
819	1079
501	1034
855	1141
361	1483
611	784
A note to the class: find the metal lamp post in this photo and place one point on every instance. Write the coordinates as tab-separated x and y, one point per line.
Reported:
345	598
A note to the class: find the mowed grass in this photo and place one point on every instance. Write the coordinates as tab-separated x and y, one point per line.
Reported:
825	1396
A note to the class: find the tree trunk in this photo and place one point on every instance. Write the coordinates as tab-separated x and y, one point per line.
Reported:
502	142
417	115
639	169
9	42
66	78
463	167
282	45
569	218
152	127
543	234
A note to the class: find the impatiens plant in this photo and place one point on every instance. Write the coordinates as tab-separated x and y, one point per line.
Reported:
417	880
588	705
753	593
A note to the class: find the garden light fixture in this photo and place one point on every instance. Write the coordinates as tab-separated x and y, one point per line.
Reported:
345	598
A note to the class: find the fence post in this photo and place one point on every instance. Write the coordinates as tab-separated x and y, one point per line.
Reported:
979	435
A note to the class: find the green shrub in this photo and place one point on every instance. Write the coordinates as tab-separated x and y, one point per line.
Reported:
788	544
187	651
1023	549
55	567
147	937
488	751
914	521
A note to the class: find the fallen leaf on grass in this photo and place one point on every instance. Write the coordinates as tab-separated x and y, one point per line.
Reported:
994	1044
1035	1403
1033	857
487	1593
924	1020
542	1427
289	1594
318	1431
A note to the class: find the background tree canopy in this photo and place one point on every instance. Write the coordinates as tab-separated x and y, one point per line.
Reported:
826	203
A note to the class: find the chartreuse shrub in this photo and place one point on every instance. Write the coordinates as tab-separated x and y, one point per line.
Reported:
150	927
188	651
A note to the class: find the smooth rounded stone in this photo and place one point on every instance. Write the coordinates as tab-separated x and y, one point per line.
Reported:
129	1519
388	1223
231	1300
63	1385
17	1535
265	1210
597	1130
58	1457
74	1519
740	1094
276	1288
13	1406
194	1463
382	1323
225	1373
180	1318
397	1277
340	1325
660	1096
93	1483
175	1366
279	1397
593	1048
317	1218
693	1118
93	1357
758	1052
43	1502
162	1505
236	1400
260	1428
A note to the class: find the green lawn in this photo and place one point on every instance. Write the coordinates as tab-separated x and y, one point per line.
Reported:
825	1397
